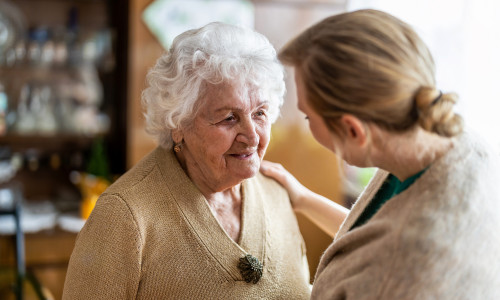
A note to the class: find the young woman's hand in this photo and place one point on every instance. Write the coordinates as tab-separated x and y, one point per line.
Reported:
296	190
325	213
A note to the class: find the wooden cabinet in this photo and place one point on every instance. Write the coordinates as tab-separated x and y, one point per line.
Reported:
47	256
64	79
69	65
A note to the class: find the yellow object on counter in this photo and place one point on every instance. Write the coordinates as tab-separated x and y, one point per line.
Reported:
91	188
88	204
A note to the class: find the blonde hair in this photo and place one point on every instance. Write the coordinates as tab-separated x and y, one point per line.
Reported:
211	55
374	66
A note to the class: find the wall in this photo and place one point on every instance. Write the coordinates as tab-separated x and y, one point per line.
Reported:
143	52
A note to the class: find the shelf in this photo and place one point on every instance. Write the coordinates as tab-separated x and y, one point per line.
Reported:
19	142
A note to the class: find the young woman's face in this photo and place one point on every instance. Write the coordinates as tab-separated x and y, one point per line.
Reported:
353	149
228	138
316	123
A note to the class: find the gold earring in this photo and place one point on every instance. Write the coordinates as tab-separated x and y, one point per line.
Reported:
177	148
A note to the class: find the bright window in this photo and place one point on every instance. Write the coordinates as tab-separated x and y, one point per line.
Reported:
464	38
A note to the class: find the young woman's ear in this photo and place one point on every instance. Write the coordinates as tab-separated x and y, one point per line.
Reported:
354	129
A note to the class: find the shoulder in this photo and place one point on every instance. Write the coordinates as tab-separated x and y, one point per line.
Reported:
110	210
145	189
274	196
267	182
466	175
269	187
136	175
149	180
472	152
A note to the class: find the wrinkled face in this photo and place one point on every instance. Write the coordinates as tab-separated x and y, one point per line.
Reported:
228	137
316	123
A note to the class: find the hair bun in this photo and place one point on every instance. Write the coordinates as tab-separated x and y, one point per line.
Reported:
436	112
425	97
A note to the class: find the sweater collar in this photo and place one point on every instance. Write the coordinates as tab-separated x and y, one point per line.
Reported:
199	217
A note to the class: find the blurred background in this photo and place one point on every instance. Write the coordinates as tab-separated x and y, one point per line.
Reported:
71	76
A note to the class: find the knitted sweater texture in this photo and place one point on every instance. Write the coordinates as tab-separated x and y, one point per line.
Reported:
152	235
439	239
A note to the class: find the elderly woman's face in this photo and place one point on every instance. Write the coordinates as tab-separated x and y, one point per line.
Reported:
228	137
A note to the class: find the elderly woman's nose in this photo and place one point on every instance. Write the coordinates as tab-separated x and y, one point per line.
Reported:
248	133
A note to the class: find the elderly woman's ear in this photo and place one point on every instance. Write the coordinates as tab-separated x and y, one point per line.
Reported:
177	136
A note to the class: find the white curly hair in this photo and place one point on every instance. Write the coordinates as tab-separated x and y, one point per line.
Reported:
213	54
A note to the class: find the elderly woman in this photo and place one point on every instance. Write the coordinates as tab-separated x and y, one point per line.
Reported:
195	219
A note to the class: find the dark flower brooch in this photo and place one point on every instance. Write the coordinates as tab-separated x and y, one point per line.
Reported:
250	268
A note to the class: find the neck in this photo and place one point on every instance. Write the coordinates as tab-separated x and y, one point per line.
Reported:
406	154
224	201
230	195
209	186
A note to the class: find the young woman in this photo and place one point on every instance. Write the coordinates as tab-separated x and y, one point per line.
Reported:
427	226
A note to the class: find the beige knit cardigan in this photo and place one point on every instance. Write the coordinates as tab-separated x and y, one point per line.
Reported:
439	239
152	235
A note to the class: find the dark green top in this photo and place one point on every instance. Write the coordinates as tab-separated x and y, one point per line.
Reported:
390	188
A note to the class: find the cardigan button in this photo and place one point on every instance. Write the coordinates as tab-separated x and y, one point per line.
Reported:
250	269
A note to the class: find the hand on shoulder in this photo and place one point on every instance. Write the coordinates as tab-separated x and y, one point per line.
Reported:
295	189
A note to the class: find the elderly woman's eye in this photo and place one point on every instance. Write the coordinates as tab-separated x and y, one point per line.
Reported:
230	118
260	113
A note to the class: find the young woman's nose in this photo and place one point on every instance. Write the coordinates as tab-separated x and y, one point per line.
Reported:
248	133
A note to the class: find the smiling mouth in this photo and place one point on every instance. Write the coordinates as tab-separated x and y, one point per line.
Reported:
242	156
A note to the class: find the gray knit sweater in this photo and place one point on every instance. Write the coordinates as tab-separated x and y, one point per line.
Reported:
439	239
